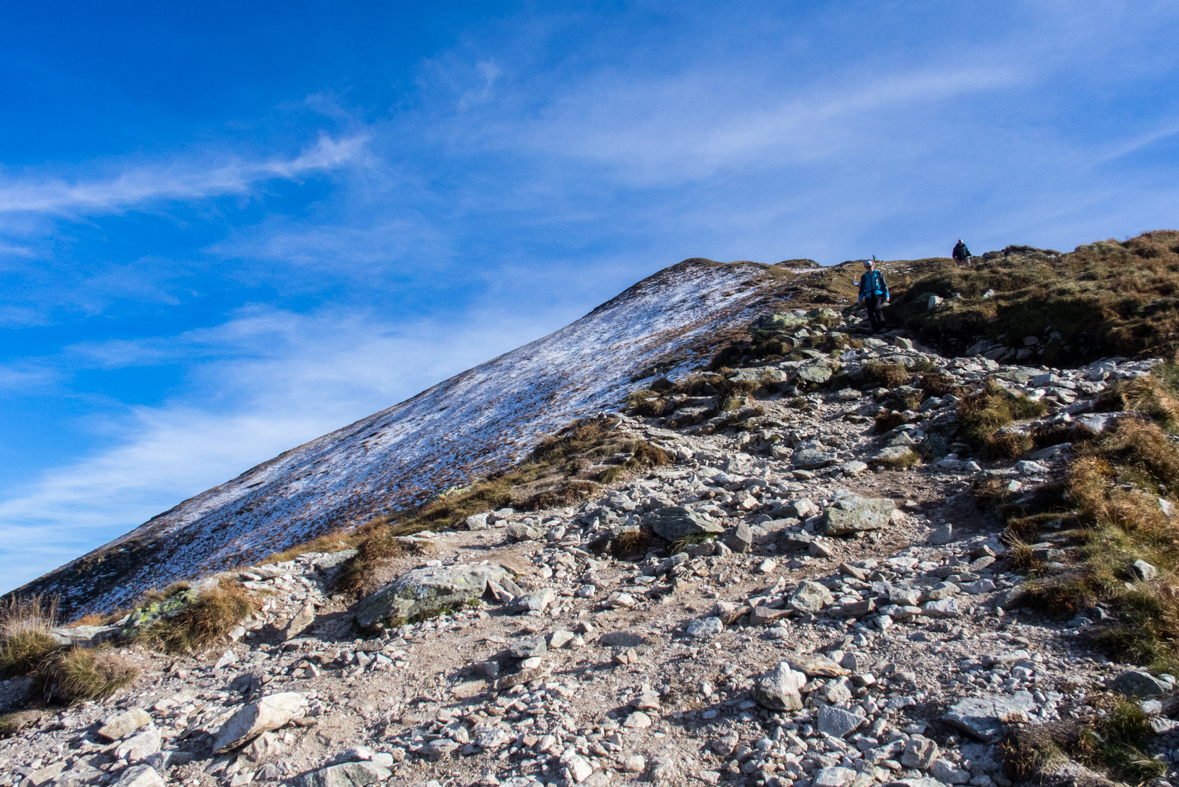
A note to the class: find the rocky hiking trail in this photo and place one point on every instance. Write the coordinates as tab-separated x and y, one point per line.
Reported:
788	603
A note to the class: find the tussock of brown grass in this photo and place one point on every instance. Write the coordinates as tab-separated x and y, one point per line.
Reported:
906	460
204	622
631	544
80	674
648	403
1114	737
889	420
1114	484
1147	395
991	408
1007	445
888	375
98	619
937	384
12	723
25	640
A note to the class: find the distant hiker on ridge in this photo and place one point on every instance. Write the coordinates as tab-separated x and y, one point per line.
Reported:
873	293
961	253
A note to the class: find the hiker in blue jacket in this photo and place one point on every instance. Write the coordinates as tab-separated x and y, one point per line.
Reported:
873	294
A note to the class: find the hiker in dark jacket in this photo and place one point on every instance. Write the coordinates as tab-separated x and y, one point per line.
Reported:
961	253
873	294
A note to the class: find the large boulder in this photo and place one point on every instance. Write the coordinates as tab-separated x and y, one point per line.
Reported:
1136	683
676	522
264	715
852	514
780	689
769	325
149	614
815	372
426	591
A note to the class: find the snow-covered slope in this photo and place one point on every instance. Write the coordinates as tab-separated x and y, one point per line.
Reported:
474	423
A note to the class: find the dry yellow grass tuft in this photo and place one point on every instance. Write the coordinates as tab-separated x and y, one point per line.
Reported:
25	639
991	408
204	622
80	674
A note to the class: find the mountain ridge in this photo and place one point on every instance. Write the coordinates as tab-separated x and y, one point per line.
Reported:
394	459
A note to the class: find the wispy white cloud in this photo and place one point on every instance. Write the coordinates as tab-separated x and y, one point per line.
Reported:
693	124
176	181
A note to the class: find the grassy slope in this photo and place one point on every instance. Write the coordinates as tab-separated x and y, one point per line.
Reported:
1106	298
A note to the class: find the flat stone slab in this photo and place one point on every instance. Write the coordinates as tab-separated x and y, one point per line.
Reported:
1136	683
985	717
853	514
676	522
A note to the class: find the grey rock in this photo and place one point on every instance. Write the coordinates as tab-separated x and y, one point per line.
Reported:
803	508
810	597
424	591
140	776
1144	571
519	532
853	514
123	724
815	372
623	639
332	559
836	776
741	539
943	608
1136	683
795	542
264	715
705	628
779	689
476	522
947	772
676	522
532	602
943	535
527	648
838	722
816	666
348	774
139	747
300	622
438	749
919	753
811	458
984	717
84	636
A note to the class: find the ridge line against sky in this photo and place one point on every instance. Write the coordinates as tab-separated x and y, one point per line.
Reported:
225	231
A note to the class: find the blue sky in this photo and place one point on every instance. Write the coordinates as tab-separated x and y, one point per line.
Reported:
228	228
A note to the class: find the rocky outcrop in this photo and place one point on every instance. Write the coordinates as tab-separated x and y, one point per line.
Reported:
425	591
